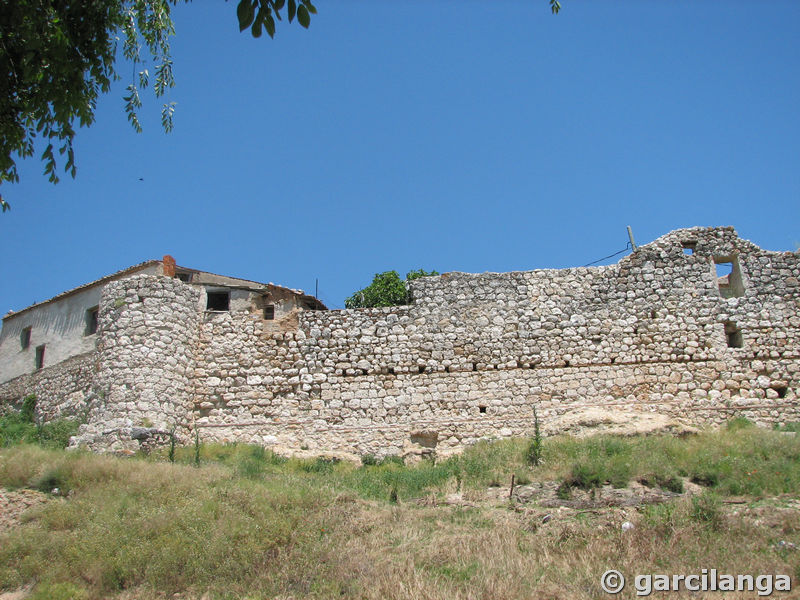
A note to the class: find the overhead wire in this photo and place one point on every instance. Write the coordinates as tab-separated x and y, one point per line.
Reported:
594	262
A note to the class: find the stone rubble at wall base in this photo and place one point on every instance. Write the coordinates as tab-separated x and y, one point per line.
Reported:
657	333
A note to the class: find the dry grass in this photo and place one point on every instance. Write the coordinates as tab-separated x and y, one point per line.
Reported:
250	525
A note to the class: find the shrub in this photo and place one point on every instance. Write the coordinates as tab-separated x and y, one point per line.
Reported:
586	476
19	428
533	454
59	591
738	423
706	508
56	434
28	411
369	460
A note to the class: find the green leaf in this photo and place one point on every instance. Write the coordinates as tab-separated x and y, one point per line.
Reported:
278	4
303	17
292	10
256	28
269	23
246	13
311	8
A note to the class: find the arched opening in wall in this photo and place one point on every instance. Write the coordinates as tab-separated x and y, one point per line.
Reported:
729	276
733	335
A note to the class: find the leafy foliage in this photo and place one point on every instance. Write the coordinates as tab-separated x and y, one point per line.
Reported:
533	455
57	57
386	289
260	15
20	428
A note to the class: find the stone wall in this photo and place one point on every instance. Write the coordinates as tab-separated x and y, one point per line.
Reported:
475	354
146	350
60	390
660	333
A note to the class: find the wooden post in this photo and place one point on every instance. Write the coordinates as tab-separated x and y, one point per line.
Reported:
630	236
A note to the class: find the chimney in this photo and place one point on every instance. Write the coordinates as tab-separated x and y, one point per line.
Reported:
169	265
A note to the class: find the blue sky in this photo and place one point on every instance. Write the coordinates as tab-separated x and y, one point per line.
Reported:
446	134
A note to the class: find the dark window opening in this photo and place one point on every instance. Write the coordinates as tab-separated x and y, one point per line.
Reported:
39	360
729	276
25	338
421	369
310	305
474	366
566	363
91	321
653	314
185	277
733	335
781	390
482	409
269	312
220	301
689	247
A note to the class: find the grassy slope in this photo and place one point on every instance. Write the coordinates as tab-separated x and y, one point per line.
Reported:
250	524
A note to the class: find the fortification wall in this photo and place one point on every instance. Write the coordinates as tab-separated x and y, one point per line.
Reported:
474	354
146	347
60	390
659	333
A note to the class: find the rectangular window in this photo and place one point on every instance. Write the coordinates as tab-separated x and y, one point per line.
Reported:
185	277
91	321
25	338
689	247
39	360
269	312
729	276
219	301
733	335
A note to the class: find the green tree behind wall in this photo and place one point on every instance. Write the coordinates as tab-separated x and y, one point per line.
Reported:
386	289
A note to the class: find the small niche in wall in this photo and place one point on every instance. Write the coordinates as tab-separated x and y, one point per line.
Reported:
733	334
38	361
269	312
482	409
781	390
25	338
729	276
219	301
689	247
91	321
